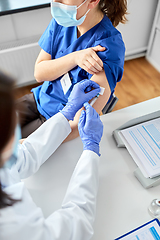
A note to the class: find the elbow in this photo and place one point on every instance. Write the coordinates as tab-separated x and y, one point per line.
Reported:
37	76
38	79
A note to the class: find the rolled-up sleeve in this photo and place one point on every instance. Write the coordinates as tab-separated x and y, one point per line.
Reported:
112	57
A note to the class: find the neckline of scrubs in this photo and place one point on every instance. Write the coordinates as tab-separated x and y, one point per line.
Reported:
76	28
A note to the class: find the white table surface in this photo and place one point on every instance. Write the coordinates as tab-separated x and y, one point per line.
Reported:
122	202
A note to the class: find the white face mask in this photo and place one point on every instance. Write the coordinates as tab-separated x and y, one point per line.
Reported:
65	15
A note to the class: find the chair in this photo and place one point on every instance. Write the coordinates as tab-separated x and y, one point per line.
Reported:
110	105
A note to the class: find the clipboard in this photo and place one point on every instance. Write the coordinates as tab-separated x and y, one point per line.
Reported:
131	123
149	229
146	183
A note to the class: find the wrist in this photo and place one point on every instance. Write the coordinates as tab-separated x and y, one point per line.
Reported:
67	111
94	147
74	58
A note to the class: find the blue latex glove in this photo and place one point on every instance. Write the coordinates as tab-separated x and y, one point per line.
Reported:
90	129
80	94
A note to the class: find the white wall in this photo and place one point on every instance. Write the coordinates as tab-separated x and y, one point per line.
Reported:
19	48
24	25
136	31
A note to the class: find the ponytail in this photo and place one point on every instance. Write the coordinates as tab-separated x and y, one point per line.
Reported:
115	10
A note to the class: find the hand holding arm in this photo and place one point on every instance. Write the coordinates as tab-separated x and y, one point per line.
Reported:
47	69
89	60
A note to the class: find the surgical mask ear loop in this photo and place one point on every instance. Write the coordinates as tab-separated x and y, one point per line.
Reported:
81	5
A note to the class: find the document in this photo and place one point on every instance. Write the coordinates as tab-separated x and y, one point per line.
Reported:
143	143
149	231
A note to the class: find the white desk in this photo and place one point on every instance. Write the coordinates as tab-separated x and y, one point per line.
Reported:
122	201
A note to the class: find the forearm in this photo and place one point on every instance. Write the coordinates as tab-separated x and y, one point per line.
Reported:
49	70
79	205
74	134
86	178
39	146
74	127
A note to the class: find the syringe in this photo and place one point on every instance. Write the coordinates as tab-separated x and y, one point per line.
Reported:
97	96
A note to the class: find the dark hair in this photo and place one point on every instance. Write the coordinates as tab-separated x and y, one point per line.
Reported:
7	124
115	10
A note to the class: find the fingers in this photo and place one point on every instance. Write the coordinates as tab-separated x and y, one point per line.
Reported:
95	56
85	87
92	116
92	94
90	112
88	67
82	119
89	84
88	89
93	64
97	61
99	48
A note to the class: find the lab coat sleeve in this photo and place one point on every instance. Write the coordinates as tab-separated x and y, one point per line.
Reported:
41	144
75	219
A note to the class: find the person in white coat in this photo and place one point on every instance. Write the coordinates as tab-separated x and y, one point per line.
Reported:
20	218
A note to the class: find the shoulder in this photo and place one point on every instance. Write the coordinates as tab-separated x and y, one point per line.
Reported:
108	35
53	26
107	28
58	31
110	38
51	32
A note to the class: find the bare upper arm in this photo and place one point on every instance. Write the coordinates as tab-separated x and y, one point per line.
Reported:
101	79
43	56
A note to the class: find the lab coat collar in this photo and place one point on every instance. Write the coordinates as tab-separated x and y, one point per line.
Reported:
9	177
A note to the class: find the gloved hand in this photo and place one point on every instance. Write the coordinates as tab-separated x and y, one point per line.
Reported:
90	129
79	95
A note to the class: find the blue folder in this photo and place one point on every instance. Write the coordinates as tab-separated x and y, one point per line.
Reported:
138	234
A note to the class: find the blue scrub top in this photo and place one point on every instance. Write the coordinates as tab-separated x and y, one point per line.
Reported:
59	41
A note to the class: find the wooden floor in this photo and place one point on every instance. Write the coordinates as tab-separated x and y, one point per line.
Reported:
140	82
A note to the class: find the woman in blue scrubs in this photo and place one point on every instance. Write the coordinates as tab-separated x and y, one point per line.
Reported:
81	42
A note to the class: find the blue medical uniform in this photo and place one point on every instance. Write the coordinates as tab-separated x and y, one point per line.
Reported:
59	41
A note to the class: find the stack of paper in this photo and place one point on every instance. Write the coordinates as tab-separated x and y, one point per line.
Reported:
143	143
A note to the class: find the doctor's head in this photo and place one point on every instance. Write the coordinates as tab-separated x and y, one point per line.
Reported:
7	128
7	116
70	13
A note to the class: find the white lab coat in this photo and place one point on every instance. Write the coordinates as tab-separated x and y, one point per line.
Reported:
24	220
